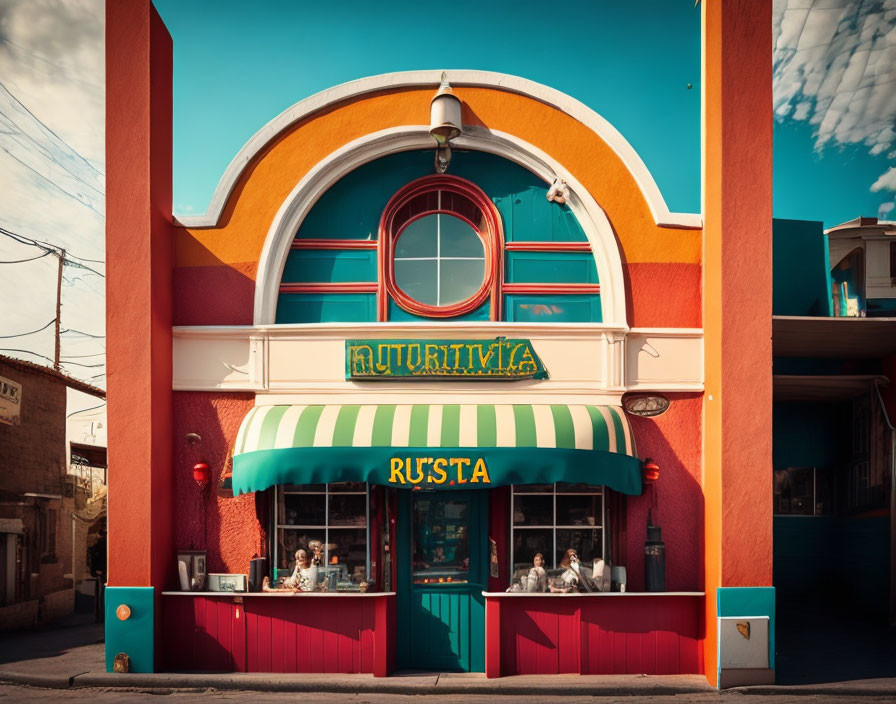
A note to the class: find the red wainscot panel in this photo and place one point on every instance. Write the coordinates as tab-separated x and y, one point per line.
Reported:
593	634
340	633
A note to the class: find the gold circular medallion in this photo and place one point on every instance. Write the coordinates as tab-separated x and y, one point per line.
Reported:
123	612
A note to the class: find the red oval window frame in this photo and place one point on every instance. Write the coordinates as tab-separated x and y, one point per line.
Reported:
395	219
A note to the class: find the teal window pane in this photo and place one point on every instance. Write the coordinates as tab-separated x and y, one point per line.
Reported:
459	279
458	239
324	265
419	239
551	267
564	226
418	279
574	308
326	308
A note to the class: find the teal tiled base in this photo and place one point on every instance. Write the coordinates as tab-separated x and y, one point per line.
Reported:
135	635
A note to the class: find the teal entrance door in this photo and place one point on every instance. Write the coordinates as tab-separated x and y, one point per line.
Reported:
441	576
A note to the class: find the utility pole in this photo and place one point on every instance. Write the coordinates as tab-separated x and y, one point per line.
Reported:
61	256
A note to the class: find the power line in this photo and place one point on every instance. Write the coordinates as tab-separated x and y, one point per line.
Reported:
81	356
22	261
86	334
23	334
49	248
88	366
84	410
9	349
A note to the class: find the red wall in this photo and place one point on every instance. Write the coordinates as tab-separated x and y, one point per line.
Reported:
229	528
600	635
139	250
278	634
673	441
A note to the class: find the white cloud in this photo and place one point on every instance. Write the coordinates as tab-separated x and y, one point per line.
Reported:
835	67
51	174
887	181
884	210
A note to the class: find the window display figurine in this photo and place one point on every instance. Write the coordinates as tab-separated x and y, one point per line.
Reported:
537	580
317	550
304	576
266	587
573	578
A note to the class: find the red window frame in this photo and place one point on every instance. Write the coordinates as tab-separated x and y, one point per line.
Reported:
411	203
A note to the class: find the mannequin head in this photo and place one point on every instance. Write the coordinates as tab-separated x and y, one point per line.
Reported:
301	559
538	560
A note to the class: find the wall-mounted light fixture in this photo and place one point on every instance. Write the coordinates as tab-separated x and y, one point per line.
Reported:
444	122
645	405
651	471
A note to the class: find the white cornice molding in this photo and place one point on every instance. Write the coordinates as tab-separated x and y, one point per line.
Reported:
431	78
584	359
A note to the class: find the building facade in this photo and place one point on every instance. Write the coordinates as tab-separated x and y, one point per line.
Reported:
43	531
418	383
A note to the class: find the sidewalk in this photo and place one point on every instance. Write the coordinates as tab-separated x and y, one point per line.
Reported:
73	657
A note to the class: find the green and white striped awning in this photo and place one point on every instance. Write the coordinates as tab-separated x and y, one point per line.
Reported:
435	446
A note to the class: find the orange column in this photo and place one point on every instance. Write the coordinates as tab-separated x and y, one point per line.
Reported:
737	298
139	246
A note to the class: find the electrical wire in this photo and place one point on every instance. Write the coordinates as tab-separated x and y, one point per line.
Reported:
10	349
47	246
23	334
81	356
80	332
22	261
84	410
88	366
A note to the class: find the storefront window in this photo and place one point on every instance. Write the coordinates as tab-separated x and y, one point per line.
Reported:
550	520
330	522
441	551
803	491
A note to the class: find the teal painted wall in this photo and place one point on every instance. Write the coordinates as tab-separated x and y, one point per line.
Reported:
800	268
134	636
352	207
808	435
839	560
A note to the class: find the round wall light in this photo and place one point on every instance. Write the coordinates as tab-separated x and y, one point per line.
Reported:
645	405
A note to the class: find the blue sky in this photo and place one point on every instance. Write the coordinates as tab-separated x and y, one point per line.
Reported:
630	62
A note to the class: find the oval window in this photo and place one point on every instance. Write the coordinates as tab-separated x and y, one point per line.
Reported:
439	260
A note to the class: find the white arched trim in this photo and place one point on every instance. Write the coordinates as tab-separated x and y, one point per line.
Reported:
328	171
416	79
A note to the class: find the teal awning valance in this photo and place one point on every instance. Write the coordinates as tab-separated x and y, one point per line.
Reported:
436	446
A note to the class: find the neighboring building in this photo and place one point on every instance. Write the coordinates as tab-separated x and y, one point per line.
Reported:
42	527
431	377
835	404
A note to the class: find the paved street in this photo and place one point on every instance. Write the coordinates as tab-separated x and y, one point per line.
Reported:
12	694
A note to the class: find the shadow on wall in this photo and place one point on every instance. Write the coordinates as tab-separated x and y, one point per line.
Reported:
228	528
674	441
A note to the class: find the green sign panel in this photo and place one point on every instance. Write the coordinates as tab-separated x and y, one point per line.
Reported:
444	359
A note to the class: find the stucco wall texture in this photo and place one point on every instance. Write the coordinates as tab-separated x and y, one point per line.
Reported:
228	528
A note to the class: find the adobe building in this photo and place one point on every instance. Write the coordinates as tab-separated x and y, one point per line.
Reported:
430	365
42	529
